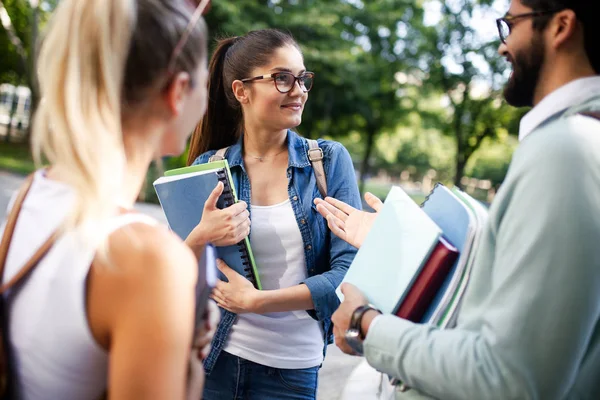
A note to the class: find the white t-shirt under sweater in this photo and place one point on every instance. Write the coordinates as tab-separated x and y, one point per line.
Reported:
287	340
54	354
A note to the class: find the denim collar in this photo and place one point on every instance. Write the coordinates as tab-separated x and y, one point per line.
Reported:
297	149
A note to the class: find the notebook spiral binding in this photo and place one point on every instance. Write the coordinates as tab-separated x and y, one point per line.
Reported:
228	199
429	194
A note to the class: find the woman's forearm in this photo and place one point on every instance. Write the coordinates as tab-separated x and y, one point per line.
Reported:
281	300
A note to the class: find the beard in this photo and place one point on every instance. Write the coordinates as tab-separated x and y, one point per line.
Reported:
527	65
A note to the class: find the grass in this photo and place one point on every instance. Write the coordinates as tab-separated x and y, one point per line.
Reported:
16	157
381	191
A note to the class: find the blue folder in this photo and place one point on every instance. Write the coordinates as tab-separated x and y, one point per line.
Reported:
455	220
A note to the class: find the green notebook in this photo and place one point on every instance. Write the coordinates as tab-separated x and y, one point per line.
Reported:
182	193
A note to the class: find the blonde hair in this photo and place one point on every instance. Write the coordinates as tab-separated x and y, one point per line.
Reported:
86	72
77	126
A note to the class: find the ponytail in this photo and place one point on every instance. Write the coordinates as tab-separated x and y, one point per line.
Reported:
234	58
77	126
221	125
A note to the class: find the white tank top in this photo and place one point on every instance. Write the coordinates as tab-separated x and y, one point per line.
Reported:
290	340
54	355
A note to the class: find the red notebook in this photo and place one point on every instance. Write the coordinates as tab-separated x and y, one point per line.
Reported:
428	282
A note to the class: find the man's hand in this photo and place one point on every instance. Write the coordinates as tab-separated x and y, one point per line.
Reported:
345	221
353	298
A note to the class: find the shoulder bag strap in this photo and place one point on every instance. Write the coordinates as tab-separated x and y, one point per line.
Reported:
11	223
315	155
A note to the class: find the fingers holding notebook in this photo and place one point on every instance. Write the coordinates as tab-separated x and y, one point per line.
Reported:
237	295
222	227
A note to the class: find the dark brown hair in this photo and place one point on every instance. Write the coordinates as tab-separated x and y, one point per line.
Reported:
234	58
159	27
585	11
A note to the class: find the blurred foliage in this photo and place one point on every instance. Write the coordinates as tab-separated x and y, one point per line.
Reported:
491	161
403	93
17	64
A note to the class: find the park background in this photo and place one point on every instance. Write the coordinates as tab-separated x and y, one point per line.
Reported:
411	88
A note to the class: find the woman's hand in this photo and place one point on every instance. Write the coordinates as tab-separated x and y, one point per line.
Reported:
200	349
220	227
238	295
345	221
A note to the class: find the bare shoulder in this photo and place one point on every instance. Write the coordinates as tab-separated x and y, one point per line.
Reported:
141	301
147	251
146	275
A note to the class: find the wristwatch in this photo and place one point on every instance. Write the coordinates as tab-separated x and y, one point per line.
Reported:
354	335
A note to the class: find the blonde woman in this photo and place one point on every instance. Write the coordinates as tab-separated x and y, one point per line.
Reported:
110	307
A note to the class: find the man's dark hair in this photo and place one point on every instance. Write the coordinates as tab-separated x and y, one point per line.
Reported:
586	11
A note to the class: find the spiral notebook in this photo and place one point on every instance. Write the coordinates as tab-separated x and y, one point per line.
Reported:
182	193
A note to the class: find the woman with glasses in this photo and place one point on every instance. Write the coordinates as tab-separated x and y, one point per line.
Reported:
271	342
108	308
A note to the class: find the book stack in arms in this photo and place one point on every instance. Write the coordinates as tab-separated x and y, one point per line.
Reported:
182	193
403	260
416	262
462	219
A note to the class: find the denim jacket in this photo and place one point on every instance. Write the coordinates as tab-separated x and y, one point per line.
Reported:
327	256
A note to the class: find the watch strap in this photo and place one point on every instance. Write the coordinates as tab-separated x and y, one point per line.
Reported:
357	316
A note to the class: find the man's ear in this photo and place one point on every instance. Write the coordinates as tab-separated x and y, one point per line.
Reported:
563	28
177	91
240	91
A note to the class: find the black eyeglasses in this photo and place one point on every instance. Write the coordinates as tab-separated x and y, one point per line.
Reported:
506	23
200	7
285	81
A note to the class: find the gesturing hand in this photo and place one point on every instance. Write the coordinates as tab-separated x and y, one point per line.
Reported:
220	227
345	221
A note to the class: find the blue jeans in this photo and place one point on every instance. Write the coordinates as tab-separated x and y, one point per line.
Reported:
234	378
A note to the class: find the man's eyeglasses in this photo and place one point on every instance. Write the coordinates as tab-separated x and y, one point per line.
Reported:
506	23
200	7
285	81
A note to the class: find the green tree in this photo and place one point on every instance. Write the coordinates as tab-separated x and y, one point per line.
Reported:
21	21
454	60
350	45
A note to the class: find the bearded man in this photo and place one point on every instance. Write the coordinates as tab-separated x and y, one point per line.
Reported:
529	326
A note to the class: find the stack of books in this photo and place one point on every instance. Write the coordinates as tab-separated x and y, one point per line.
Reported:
182	193
416	261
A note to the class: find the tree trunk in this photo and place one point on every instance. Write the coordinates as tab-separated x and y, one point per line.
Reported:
461	162
364	168
32	76
13	109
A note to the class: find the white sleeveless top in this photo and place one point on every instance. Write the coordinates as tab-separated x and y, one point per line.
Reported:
54	354
290	340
